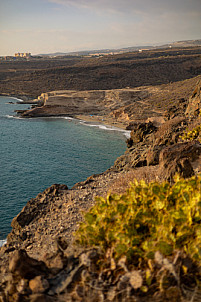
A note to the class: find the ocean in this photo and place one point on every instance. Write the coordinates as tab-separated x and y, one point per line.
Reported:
36	153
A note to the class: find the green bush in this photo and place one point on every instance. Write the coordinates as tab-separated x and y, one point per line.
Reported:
147	218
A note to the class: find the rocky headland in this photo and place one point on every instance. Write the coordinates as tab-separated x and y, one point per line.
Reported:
115	106
156	95
39	262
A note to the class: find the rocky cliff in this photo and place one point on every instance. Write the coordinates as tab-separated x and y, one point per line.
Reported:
117	106
40	262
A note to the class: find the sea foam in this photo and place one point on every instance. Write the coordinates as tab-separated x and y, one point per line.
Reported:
2	242
108	128
14	117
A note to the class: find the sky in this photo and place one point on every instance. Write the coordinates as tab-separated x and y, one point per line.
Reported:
48	26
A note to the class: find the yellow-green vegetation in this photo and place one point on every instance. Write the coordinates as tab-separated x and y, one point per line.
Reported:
147	218
193	134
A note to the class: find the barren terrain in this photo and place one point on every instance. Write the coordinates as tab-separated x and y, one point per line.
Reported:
157	96
31	78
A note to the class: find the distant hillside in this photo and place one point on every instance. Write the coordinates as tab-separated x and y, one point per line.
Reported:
98	51
129	69
187	43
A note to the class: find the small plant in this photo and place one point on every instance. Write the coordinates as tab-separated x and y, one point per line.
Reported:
193	134
147	218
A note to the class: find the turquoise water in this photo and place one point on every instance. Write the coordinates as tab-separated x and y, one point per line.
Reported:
36	153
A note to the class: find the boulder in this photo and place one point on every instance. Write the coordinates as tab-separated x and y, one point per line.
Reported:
177	159
39	284
182	166
26	267
190	150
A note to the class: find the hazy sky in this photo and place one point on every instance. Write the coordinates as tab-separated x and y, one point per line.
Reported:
45	26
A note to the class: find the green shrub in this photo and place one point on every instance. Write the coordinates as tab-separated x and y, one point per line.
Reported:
147	218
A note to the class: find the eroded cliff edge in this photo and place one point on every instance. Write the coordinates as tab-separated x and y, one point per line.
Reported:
44	227
115	107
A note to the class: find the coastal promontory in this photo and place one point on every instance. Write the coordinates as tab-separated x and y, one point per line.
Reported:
44	260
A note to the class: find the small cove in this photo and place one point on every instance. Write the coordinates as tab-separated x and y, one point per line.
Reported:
36	153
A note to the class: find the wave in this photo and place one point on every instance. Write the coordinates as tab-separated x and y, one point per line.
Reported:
69	118
14	116
82	122
108	128
89	124
127	133
2	242
19	100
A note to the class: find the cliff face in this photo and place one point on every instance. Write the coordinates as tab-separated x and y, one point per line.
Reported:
104	103
39	262
118	105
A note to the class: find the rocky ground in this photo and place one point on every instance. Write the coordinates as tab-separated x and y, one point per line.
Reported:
40	261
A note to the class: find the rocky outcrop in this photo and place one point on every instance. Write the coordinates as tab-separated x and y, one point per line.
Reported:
139	132
35	208
176	110
177	159
117	105
168	133
194	105
73	103
147	141
81	278
39	262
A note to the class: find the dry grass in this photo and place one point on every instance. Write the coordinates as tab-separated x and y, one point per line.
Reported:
122	183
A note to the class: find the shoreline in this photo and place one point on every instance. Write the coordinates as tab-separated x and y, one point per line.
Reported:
21	98
84	120
44	228
104	124
2	242
90	120
101	120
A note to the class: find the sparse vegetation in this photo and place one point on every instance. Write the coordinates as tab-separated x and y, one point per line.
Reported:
153	67
147	218
193	134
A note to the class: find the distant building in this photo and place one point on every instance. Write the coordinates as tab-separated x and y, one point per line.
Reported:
23	55
7	58
143	49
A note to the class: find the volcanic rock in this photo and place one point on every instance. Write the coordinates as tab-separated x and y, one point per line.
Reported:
194	105
36	207
177	159
26	267
139	132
